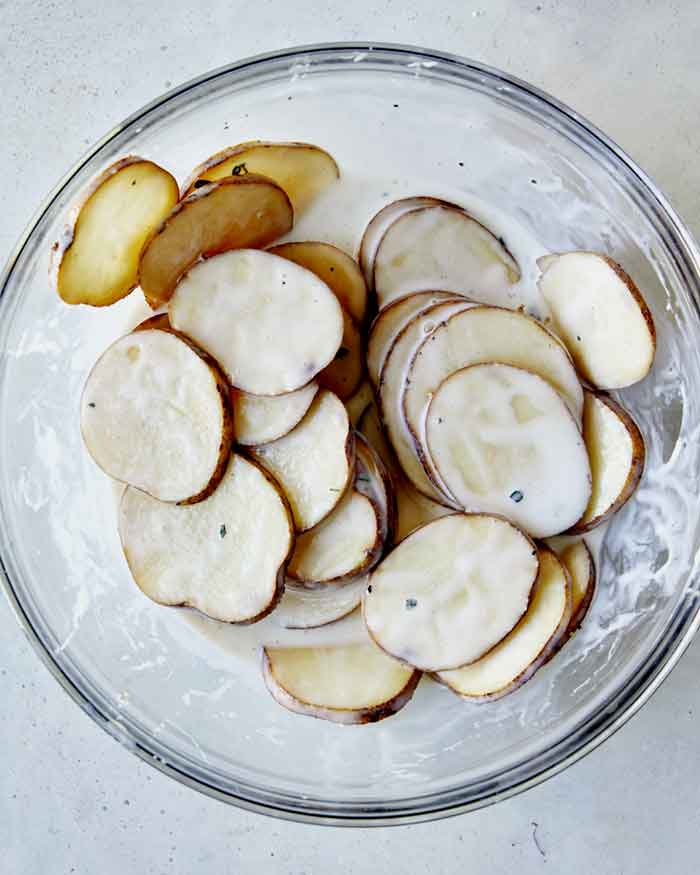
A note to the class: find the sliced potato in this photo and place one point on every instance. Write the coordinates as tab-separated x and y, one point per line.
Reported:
356	683
523	651
224	556
378	226
301	169
503	441
235	213
159	321
345	373
451	591
314	462
338	270
97	261
443	247
252	311
372	479
155	414
359	402
616	450
602	317
303	608
260	419
341	546
389	323
578	561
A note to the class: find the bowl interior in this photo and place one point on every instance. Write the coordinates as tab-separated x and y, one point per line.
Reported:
168	684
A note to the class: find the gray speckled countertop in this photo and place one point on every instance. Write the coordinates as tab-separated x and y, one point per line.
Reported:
73	801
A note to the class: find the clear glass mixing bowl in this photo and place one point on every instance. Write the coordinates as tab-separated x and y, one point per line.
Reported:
421	121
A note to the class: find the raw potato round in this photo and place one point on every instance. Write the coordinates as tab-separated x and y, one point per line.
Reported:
602	317
616	449
578	561
270	324
355	683
340	546
302	608
504	442
337	269
526	649
231	214
98	263
345	373
260	419
359	402
443	247
156	415
314	462
224	556
372	479
451	591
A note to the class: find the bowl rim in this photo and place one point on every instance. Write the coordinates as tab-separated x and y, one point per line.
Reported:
640	689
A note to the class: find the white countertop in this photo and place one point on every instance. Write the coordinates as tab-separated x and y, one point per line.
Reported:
73	801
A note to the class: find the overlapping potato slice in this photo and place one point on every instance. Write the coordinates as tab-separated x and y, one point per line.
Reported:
345	373
304	608
374	480
235	213
359	402
252	312
224	556
355	683
616	450
302	170
97	262
314	462
260	419
602	317
443	247
578	561
528	646
503	441
155	414
451	590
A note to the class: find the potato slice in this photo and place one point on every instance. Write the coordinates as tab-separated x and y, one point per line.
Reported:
260	419
345	373
155	414
378	226
252	311
602	317
302	608
527	648
97	261
503	441
372	479
392	387
338	270
451	591
443	247
235	213
355	683
224	556
341	546
359	402
578	561
389	323
616	450
301	169
314	462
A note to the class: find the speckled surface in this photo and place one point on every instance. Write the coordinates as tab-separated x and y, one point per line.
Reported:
72	800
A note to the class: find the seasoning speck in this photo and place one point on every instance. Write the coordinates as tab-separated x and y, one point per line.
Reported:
92	404
133	182
516	496
578	337
239	170
411	603
396	106
533	181
461	163
369	588
222	531
201	182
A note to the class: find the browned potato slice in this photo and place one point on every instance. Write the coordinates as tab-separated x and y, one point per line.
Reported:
301	169
336	268
346	372
235	213
97	262
578	561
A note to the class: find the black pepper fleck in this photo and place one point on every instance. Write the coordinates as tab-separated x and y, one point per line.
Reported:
533	181
396	106
369	588
578	337
92	404
222	531
239	170
516	496
133	182
461	163
411	603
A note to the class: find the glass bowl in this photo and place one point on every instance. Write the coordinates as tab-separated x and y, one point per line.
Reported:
399	121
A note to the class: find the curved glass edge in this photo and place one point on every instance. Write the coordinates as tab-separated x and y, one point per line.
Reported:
615	713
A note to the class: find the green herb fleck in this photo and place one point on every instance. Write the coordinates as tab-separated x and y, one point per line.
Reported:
222	531
516	496
333	490
410	604
362	478
239	170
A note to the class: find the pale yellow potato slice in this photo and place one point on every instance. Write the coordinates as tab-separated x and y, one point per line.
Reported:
224	556
235	213
314	462
303	608
155	414
359	402
602	317
252	312
355	683
389	323
578	561
259	419
338	270
451	591
616	450
301	169
443	247
372	479
97	261
527	648
345	373
503	441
